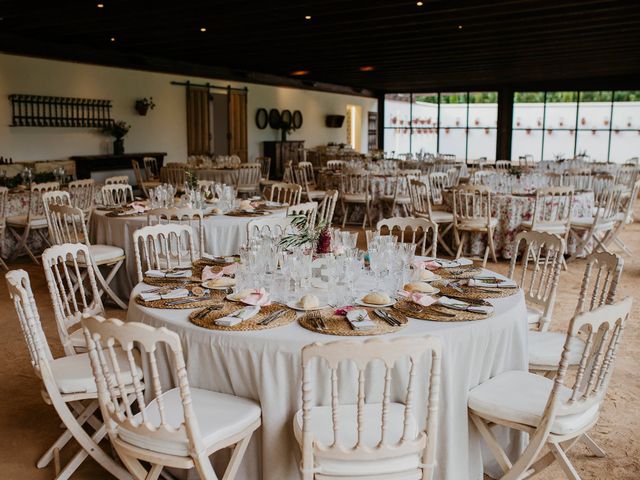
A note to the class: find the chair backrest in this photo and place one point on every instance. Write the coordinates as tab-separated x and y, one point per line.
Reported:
20	292
478	177
600	281
138	173
265	166
578	179
36	202
308	209
552	208
420	194
327	207
117	180
274	227
355	183
173	175
540	267
609	205
72	285
627	176
151	169
438	181
54	197
601	330
4	195
288	193
104	338
83	194
67	224
412	230
336	164
454	176
472	204
309	173
183	216
249	175
325	366
158	247
503	165
116	194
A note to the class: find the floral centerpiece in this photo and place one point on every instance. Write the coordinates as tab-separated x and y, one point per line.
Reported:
317	236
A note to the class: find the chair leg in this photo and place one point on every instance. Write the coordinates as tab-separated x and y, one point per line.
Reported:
461	245
593	446
133	465
492	245
486	255
204	468
443	243
345	212
104	283
564	462
154	473
236	458
497	451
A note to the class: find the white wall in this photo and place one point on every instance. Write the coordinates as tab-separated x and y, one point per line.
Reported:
164	128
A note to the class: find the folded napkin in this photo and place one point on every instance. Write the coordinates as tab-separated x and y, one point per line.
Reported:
138	207
154	295
480	282
173	274
461	262
209	274
462	305
423	299
426	264
257	297
240	316
360	320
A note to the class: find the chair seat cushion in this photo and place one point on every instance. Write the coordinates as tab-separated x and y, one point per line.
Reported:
584	223
21	221
354	197
104	253
479	224
322	430
546	227
314	195
77	338
545	348
73	373
521	397
440	216
219	416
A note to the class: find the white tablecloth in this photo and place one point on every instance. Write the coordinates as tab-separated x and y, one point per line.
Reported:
265	366
223	235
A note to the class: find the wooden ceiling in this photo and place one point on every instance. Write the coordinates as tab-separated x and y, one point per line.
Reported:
443	44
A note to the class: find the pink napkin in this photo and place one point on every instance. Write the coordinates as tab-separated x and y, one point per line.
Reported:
257	297
428	264
138	207
209	274
420	298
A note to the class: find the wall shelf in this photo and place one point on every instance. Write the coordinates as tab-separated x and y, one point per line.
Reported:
45	111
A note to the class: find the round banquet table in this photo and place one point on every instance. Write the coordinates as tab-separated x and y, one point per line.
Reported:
223	235
511	211
265	366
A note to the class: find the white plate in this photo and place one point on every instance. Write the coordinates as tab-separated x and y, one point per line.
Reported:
374	305
218	287
297	307
435	291
435	278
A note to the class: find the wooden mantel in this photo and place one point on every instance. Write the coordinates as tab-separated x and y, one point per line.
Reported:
85	164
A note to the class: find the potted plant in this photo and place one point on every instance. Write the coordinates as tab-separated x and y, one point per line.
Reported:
118	130
144	104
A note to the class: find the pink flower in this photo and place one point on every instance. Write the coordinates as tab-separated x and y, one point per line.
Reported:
343	311
419	298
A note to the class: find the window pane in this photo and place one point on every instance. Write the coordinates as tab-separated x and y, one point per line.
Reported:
526	142
528	109
424	123
396	140
594	143
482	143
561	111
453	141
483	109
625	144
397	110
558	144
453	110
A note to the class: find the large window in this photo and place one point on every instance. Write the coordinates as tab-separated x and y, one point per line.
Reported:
603	125
459	123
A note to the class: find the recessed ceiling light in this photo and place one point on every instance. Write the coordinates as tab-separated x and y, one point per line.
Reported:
419	4
307	17
300	73
367	68
100	5
203	29
459	27
113	39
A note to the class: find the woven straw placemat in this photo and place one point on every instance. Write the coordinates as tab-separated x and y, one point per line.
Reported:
216	298
237	213
196	270
475	292
116	214
208	320
437	313
467	271
339	325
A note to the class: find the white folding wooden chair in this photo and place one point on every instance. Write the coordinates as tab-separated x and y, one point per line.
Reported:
421	208
142	183
336	164
83	195
304	177
274	227
503	165
579	180
117	180
438	181
554	415
356	191
472	214
364	437
163	247
4	194
308	209
248	180
399	194
67	385
412	230
289	193
539	273
68	225
178	427
34	221
327	207
185	216
173	175
73	289
54	197
552	212
151	170
116	194
625	217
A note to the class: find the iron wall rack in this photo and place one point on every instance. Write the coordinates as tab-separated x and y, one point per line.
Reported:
44	111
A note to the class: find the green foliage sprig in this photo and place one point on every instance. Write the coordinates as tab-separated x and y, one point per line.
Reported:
305	233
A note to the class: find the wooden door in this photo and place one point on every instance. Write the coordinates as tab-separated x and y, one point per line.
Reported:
238	124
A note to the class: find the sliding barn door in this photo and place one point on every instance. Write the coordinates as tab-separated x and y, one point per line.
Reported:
198	129
238	124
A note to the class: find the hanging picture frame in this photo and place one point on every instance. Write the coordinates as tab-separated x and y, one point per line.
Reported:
274	118
285	118
297	119
262	118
